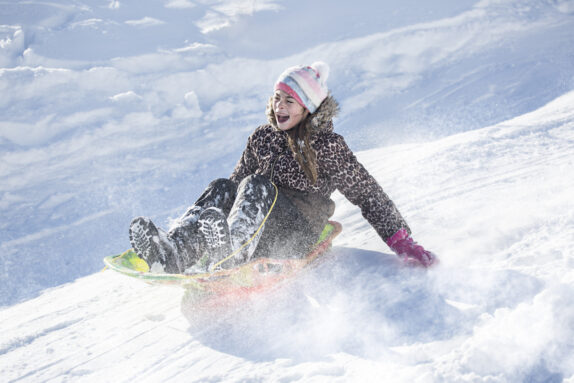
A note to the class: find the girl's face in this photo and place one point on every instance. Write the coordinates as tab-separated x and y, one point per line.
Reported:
288	112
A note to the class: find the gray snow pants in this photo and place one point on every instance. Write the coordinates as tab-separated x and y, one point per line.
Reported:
285	234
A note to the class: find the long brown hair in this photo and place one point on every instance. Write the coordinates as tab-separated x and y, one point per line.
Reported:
299	139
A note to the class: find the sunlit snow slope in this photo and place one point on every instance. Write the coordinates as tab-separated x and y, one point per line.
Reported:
462	109
494	203
113	109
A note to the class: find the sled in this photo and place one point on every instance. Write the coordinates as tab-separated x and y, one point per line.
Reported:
241	281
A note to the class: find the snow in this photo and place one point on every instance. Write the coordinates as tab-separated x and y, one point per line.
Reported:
463	110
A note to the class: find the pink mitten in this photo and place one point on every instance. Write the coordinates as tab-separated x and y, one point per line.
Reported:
404	246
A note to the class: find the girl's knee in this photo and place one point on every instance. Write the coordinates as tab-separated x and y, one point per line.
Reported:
256	180
221	183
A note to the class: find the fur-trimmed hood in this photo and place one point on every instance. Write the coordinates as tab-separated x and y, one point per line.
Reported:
321	120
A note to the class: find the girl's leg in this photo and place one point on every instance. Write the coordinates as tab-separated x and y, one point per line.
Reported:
181	247
255	196
220	194
287	234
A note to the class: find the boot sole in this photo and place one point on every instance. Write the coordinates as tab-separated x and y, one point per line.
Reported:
213	227
144	239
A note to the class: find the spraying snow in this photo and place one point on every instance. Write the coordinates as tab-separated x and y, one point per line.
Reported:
462	110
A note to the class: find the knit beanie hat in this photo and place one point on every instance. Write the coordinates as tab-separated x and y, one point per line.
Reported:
306	84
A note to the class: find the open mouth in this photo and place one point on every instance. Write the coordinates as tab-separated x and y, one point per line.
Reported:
282	119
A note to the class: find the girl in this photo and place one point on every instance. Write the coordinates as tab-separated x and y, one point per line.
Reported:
288	171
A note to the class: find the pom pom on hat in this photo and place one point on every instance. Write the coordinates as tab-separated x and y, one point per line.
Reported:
307	84
322	70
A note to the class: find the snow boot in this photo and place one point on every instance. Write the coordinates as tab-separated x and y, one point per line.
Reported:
215	232
187	242
152	245
171	252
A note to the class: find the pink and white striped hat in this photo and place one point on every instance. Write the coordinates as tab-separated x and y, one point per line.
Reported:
306	84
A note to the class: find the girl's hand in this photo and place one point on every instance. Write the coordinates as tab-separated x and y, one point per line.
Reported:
414	254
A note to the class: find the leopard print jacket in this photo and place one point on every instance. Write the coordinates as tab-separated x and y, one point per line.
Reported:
267	153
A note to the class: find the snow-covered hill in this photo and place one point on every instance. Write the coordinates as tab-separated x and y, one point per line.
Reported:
113	109
495	203
463	110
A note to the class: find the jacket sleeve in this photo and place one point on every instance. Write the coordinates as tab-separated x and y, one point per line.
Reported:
361	189
247	164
